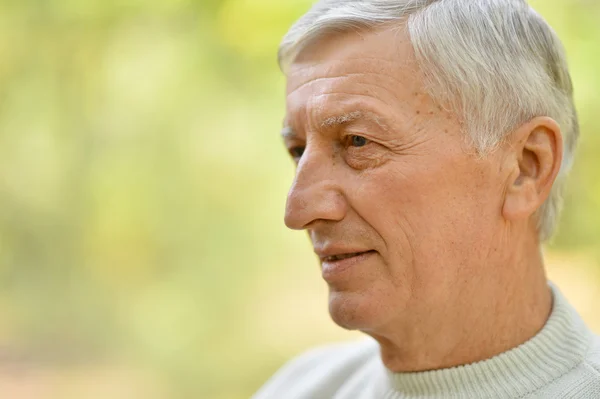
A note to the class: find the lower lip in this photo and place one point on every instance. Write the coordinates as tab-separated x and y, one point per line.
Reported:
331	269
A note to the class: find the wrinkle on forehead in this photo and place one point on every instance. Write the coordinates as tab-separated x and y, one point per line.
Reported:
377	72
386	50
358	64
374	72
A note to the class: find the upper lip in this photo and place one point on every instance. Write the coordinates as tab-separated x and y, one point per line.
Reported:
325	253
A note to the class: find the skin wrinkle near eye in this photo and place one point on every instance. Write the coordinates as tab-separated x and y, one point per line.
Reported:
362	162
423	119
362	157
401	145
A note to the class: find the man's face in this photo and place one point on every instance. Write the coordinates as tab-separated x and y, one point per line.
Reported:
400	210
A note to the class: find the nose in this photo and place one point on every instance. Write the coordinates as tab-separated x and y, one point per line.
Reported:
316	192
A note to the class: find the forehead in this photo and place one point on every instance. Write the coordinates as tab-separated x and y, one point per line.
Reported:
388	42
368	70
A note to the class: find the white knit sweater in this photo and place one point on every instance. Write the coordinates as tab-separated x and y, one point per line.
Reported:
561	361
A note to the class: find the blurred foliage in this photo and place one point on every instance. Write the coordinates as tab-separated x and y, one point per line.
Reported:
142	182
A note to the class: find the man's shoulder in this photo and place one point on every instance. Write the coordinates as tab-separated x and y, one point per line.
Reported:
588	384
593	357
319	372
582	382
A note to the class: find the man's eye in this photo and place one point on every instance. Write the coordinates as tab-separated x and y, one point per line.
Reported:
296	152
358	141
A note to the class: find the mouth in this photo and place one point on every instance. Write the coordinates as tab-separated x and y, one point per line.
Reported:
334	258
335	267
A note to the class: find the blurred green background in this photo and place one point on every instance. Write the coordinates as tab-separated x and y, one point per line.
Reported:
142	185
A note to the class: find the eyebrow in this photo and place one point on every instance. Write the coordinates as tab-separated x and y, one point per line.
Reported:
288	132
342	119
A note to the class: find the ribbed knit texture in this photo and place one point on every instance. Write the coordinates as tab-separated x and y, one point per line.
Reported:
561	361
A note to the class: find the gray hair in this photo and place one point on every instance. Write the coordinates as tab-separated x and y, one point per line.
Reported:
496	63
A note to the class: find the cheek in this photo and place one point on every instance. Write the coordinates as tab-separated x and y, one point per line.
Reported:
435	194
400	201
428	216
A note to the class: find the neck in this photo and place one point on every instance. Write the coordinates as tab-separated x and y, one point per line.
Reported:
505	304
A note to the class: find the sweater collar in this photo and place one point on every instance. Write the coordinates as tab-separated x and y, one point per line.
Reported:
558	348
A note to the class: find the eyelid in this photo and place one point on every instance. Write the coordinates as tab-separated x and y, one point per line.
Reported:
292	142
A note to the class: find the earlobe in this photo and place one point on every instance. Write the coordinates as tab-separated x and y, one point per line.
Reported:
520	200
536	153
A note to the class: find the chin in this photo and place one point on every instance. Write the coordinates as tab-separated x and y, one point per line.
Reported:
355	311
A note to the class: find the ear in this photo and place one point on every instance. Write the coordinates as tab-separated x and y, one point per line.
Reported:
536	151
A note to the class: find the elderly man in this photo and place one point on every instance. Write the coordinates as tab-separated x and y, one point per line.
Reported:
432	139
